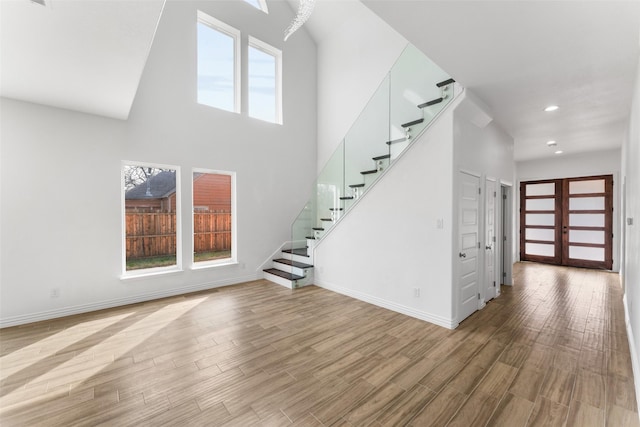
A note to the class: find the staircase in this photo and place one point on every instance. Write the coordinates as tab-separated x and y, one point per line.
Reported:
339	185
380	163
294	268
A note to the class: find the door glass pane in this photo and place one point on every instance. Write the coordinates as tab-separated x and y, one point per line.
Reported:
586	220
548	189
539	249
582	187
591	254
586	236
586	203
540	219
540	204
540	234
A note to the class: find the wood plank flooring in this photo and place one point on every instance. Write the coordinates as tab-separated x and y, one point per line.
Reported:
552	350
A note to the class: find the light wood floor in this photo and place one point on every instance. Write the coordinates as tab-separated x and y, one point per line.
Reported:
549	351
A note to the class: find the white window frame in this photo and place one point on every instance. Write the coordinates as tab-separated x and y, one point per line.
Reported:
153	270
277	54
234	233
226	29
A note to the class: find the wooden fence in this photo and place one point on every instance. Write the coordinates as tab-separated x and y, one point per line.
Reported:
154	234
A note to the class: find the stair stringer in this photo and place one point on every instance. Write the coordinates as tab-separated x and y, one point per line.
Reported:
389	245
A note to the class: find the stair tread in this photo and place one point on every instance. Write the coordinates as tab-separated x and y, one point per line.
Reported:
283	274
356	185
347	198
310	238
385	156
415	122
292	263
318	228
445	82
432	102
296	251
336	209
395	141
369	172
326	219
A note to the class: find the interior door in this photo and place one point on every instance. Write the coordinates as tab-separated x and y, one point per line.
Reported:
468	241
490	240
568	221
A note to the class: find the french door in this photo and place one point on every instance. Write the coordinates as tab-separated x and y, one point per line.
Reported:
567	221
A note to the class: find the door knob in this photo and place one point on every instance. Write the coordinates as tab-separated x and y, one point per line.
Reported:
462	255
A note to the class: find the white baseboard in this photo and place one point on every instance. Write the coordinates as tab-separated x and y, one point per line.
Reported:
85	308
635	363
390	305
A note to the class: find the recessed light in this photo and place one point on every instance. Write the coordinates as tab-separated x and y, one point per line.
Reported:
551	108
552	143
559	152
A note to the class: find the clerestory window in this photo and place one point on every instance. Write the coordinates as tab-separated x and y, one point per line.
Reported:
265	81
218	64
259	4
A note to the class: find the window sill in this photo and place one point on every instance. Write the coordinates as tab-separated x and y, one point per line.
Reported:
213	264
150	272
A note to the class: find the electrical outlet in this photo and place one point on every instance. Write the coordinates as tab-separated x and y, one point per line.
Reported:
55	292
416	292
440	223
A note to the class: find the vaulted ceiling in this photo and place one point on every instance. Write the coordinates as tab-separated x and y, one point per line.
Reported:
83	55
518	56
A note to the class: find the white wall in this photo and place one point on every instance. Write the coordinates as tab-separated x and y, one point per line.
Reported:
352	62
578	165
389	243
487	152
631	177
60	175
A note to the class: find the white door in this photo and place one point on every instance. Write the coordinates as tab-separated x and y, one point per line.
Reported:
490	240
469	189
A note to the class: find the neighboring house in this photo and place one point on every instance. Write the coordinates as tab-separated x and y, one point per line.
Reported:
212	193
156	194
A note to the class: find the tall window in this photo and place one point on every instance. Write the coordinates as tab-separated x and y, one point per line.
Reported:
265	81
218	64
151	207
213	217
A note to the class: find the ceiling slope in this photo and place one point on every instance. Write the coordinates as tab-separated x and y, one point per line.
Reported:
520	56
82	55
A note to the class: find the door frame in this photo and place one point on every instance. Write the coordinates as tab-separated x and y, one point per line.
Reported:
490	190
506	227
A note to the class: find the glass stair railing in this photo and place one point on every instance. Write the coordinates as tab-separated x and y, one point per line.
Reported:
408	99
